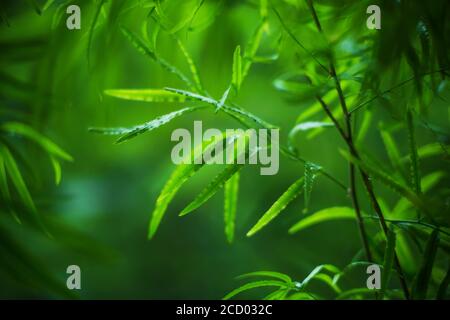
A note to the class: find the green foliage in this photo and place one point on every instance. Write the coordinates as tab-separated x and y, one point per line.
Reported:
335	213
297	66
288	196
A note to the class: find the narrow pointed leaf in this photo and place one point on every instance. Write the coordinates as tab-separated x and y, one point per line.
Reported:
388	262
253	285
212	188
290	194
423	277
129	133
181	174
334	213
147	95
28	132
231	192
270	274
311	171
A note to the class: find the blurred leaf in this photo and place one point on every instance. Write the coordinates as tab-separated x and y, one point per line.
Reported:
211	189
144	49
234	111
442	291
270	274
16	178
231	191
129	133
388	262
290	194
252	47
253	285
422	280
428	182
354	292
318	275
98	8
334	213
57	169
30	133
181	174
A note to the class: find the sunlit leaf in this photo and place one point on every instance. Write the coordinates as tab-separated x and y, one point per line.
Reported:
388	262
236	79
290	194
181	174
231	191
334	213
147	95
132	132
28	132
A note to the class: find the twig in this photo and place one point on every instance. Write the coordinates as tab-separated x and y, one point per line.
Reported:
349	140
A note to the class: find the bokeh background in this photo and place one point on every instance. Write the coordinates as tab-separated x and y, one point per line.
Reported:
50	80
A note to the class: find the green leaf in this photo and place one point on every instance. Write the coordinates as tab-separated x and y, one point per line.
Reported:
364	127
428	182
57	169
423	277
386	179
277	295
233	111
3	180
426	151
302	296
35	6
333	213
388	262
231	191
414	158
30	133
252	47
16	177
311	171
391	148
147	95
144	49
317	274
236	79
253	285
290	194
270	274
192	67
211	189
442	291
129	133
223	176
354	292
92	27
349	267
181	174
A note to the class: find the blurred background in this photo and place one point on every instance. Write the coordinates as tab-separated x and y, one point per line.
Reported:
53	79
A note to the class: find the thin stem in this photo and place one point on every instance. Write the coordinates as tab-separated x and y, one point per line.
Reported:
366	180
347	136
363	104
352	189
